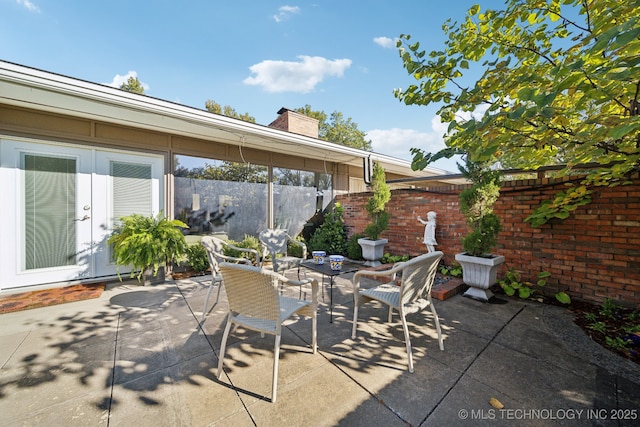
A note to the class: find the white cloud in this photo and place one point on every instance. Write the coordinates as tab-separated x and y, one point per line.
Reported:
28	5
118	80
385	42
397	142
301	76
284	12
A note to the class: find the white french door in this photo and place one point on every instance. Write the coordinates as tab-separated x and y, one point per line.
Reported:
123	184
60	205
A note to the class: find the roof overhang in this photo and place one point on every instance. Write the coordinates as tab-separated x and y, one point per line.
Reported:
44	91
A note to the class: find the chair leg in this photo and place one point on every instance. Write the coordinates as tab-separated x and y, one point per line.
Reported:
206	300
437	320
407	341
355	317
223	346
276	355
314	332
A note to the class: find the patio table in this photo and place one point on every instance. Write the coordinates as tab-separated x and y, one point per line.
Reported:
325	270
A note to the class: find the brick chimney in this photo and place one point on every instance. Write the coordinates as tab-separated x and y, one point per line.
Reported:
295	122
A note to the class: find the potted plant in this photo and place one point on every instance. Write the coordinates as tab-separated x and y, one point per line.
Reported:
148	244
372	245
479	265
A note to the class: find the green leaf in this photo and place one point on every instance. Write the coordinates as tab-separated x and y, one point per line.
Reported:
620	131
525	94
524	292
548	112
563	298
517	113
625	38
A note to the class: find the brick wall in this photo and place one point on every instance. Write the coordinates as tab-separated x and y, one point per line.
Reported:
592	255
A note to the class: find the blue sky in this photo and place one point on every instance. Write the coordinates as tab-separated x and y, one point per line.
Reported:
254	55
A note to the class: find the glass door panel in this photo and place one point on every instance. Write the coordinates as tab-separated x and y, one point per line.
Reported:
49	211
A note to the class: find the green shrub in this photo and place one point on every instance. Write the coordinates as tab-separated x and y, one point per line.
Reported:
331	236
296	250
476	204
354	250
249	242
392	259
376	204
197	258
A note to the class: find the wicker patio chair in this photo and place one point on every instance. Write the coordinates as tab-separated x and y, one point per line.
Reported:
413	294
254	304
215	253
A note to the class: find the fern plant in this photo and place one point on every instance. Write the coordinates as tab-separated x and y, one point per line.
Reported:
147	242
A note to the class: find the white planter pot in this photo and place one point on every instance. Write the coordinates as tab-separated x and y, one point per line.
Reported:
372	251
479	273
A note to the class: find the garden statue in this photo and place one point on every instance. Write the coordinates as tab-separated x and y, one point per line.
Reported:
429	230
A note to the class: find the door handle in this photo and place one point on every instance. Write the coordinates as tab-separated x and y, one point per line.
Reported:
84	218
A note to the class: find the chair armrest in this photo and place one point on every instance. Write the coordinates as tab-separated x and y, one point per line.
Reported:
299	243
391	272
233	259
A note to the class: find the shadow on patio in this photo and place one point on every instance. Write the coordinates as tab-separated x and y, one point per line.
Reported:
138	355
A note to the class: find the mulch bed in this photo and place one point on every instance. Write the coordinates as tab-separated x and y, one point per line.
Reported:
620	326
43	298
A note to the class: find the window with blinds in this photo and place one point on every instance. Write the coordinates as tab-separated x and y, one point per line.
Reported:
131	190
49	211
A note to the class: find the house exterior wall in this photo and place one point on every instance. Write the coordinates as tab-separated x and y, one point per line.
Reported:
28	123
592	255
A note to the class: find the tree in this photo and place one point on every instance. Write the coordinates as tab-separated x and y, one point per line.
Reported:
560	84
376	204
214	107
132	85
225	171
337	129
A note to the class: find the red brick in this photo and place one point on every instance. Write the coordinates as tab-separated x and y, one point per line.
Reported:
591	254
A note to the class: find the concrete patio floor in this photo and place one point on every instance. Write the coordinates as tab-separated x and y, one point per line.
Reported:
139	356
